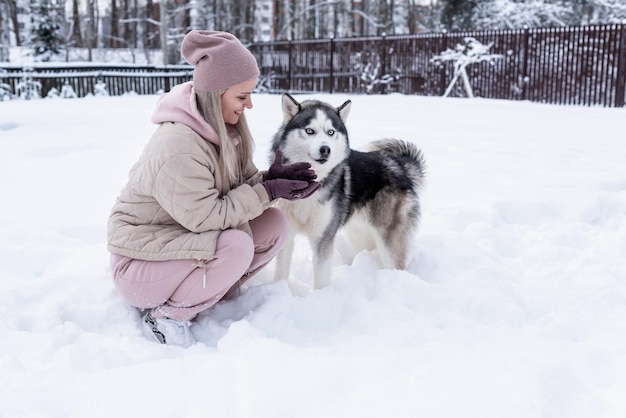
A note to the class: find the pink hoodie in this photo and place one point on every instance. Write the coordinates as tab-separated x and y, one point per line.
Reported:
180	105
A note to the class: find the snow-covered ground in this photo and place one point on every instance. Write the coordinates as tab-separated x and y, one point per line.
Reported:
514	304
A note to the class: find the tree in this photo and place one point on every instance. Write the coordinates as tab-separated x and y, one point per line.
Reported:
592	12
175	23
75	35
47	23
512	14
4	36
91	26
153	24
471	51
458	14
8	17
115	25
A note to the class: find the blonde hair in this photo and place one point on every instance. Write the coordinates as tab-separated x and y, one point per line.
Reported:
233	158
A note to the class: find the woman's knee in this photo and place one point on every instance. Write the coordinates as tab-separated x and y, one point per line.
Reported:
278	219
271	228
236	245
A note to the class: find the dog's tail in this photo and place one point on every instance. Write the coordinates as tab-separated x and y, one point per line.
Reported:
407	154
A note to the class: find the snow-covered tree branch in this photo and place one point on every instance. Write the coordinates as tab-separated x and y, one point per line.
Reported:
471	51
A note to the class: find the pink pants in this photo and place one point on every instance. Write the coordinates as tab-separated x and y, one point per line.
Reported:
175	287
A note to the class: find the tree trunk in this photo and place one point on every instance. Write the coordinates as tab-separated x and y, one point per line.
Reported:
115	23
76	38
164	28
12	11
89	28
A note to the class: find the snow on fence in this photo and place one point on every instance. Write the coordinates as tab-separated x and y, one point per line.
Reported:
582	65
85	80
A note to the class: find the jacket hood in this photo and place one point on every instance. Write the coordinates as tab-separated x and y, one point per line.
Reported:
180	105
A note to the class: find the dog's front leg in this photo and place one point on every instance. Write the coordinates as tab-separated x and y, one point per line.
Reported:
283	259
322	262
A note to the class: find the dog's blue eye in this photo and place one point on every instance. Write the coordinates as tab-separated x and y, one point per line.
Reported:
331	132
309	131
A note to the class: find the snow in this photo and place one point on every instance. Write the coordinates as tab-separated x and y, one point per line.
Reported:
514	304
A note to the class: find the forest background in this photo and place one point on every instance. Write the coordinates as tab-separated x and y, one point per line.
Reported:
48	29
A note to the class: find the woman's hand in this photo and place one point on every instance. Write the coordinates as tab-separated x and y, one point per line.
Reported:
295	171
290	189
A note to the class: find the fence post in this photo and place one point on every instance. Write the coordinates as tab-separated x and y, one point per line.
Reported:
383	62
332	61
621	68
442	73
526	41
167	87
383	56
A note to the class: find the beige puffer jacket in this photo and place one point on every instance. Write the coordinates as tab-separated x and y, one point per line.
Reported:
171	207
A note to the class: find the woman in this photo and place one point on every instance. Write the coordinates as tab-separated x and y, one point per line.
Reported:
194	218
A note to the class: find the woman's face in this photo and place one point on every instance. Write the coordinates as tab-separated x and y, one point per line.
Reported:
236	99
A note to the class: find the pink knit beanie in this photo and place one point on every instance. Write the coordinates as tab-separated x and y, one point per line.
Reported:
220	60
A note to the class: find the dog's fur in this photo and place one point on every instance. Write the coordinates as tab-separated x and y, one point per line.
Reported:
378	188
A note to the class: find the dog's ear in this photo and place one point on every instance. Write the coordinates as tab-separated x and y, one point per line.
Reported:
290	107
344	110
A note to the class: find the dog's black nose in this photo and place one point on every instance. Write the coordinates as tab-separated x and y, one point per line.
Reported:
324	151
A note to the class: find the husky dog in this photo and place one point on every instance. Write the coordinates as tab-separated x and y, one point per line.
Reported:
373	194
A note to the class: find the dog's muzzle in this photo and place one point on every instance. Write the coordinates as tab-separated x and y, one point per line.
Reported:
324	154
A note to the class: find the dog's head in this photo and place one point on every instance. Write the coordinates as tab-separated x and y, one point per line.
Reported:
315	132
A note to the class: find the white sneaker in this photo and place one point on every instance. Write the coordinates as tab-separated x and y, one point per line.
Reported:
167	331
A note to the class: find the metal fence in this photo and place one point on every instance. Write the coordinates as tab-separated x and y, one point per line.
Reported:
83	80
573	65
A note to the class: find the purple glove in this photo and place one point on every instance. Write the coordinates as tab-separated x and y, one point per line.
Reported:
295	171
290	189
